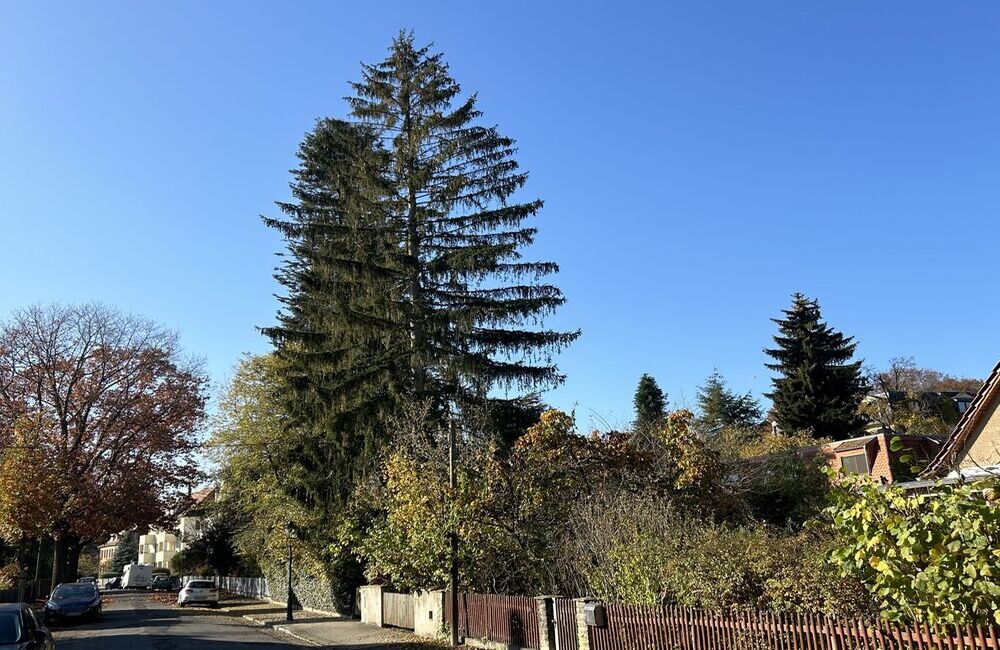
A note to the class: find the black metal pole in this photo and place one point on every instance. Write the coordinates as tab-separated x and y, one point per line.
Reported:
288	610
453	484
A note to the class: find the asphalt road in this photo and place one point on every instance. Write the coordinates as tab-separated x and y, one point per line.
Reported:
140	621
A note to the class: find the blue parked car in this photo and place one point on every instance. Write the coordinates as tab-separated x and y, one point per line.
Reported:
72	601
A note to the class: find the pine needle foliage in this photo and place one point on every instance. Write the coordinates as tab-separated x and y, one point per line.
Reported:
467	292
819	387
650	403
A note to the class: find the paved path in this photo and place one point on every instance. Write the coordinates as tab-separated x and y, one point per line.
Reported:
140	621
329	631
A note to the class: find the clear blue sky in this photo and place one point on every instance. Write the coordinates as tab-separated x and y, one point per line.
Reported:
699	162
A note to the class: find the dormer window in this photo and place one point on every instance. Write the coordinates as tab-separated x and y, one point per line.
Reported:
854	464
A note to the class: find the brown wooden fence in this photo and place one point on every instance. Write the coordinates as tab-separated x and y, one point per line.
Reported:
564	610
397	609
496	617
678	628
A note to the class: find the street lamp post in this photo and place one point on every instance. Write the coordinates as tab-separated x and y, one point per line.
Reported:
290	531
453	533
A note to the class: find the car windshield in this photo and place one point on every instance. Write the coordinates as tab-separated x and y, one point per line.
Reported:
73	591
200	584
161	579
10	627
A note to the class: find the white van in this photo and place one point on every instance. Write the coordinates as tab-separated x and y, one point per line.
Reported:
137	576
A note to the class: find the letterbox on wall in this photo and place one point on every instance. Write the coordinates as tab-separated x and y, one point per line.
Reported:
593	614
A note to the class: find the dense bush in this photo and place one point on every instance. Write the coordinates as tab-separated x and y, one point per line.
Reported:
641	550
925	557
600	514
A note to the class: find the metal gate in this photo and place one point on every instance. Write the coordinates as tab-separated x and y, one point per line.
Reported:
564	610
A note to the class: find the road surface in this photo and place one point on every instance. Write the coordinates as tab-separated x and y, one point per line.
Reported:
140	621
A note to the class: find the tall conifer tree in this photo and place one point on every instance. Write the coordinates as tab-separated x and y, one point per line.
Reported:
818	387
466	291
404	272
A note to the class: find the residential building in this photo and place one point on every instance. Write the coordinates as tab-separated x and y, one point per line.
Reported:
878	456
973	449
106	551
158	547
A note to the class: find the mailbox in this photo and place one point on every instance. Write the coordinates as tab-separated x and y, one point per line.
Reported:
593	614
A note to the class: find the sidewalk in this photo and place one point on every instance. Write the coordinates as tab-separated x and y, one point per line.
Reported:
326	631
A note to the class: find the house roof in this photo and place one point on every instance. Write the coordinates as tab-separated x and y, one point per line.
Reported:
195	500
201	495
947	455
851	445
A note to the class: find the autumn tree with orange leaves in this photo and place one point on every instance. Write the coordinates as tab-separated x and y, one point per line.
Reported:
98	415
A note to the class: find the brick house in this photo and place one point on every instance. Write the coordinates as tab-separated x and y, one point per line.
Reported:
873	454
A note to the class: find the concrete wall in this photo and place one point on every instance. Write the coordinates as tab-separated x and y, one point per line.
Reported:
370	604
428	614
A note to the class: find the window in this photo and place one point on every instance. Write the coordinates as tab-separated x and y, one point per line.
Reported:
10	628
963	406
854	464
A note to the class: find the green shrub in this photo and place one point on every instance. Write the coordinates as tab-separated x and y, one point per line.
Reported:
641	550
933	558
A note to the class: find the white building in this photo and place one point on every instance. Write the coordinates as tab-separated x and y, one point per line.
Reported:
158	547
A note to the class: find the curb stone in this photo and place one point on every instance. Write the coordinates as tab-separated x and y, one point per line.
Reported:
285	630
280	628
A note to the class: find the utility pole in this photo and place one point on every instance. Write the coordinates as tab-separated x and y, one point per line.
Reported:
453	484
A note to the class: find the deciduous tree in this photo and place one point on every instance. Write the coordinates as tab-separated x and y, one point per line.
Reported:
113	407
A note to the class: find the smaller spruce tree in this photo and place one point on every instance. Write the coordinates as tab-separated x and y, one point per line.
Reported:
818	387
720	407
650	403
126	552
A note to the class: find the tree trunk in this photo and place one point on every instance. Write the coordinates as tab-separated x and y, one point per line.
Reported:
38	561
21	578
70	570
58	560
38	567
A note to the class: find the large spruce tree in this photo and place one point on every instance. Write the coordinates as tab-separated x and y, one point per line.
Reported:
467	293
404	273
818	387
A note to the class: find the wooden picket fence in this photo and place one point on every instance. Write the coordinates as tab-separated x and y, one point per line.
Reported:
679	628
496	617
397	610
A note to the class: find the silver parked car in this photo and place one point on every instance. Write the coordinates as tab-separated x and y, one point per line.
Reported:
198	591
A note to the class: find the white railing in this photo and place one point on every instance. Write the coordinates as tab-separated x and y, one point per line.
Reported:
251	587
